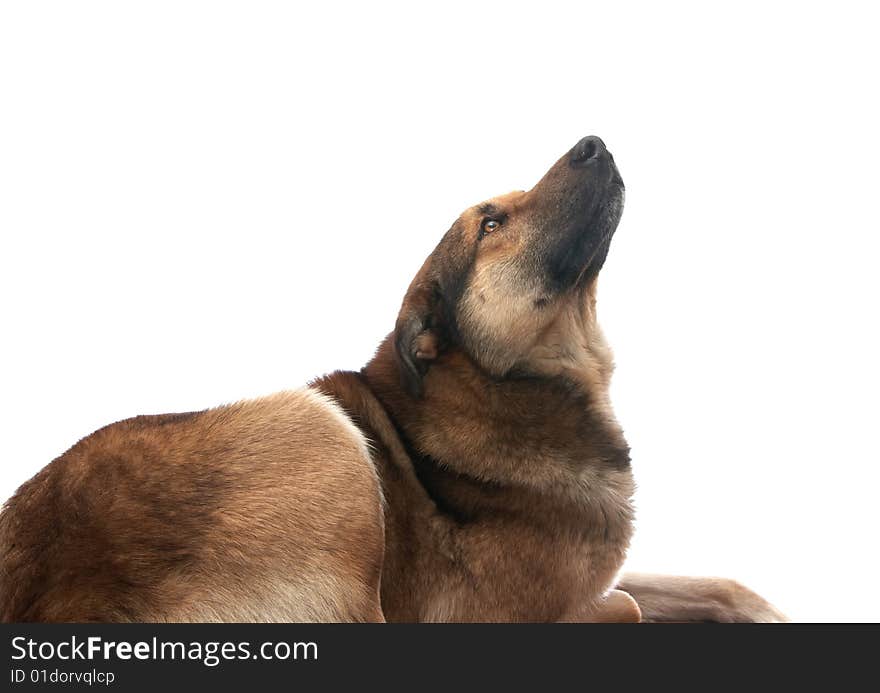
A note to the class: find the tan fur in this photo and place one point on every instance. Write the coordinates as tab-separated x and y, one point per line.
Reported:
697	599
472	471
220	515
616	607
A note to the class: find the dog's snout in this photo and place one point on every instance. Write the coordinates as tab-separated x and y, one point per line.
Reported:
588	149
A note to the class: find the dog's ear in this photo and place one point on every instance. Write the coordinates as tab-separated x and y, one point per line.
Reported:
417	333
426	323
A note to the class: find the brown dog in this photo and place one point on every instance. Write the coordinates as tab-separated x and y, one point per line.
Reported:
472	471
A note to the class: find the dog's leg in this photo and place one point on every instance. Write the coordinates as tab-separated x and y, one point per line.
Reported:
616	607
695	599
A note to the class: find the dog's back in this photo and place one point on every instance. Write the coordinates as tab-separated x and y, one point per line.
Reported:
263	509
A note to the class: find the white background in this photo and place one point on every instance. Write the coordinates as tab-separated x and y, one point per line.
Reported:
206	201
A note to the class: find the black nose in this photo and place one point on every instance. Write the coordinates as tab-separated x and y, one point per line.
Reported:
588	149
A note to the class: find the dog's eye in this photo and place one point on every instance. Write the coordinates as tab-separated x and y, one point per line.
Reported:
488	226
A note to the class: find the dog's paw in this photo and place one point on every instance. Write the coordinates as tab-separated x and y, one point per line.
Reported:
736	603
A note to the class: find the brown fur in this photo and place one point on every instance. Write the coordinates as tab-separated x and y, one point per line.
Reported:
216	515
476	474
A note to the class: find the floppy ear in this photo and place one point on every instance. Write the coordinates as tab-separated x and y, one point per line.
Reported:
417	334
425	324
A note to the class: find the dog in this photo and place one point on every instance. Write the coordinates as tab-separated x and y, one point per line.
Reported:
473	470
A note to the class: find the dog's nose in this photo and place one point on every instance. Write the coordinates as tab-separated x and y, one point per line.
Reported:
588	149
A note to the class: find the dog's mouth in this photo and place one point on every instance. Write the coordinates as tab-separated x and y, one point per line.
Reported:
585	198
610	213
608	193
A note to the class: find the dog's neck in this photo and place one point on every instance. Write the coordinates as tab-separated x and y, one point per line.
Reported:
535	432
572	346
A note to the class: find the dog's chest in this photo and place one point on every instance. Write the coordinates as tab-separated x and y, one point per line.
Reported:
599	525
541	558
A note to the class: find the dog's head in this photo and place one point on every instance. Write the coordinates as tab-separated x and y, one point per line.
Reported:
515	272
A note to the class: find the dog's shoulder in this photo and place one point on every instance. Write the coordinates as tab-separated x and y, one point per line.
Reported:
353	395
